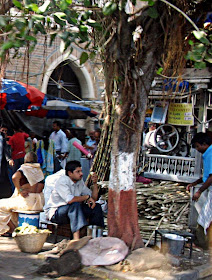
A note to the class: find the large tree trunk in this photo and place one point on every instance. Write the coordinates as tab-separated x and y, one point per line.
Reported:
128	74
4	8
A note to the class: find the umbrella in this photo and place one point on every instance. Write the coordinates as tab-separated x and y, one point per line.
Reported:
15	95
54	107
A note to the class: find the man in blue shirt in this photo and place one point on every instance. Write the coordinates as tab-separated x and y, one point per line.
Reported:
91	140
202	143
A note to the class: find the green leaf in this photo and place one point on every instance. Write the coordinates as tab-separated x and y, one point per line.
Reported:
20	24
17	4
72	21
8	45
83	28
133	2
152	12
160	70
94	24
208	59
210	50
196	56
190	42
151	2
87	45
83	37
52	38
38	17
199	34
44	7
84	16
2	21
60	18
198	48
18	44
205	41
189	56
63	5
200	65
33	7
83	58
30	38
39	28
8	27
109	8
60	15
87	3
59	21
92	55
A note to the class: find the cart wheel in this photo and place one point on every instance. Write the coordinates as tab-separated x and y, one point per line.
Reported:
166	138
182	149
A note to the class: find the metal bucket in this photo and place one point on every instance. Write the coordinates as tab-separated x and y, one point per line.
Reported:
94	231
172	244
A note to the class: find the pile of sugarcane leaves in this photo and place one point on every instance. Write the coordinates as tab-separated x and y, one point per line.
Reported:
161	205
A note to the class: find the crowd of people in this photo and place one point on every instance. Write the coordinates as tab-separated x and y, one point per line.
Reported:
27	160
53	149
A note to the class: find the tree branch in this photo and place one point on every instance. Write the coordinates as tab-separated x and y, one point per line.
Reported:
5	6
182	13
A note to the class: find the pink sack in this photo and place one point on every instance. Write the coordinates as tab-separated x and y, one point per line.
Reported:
144	180
103	251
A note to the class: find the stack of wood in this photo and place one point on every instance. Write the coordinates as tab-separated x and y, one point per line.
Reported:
163	205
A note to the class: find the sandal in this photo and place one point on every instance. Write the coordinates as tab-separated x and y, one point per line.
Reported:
7	234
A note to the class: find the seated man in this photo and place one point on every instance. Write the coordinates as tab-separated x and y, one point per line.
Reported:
72	202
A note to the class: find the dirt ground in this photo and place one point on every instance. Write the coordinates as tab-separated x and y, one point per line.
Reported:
199	257
15	264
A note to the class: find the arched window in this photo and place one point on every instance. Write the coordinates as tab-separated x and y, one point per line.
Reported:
63	81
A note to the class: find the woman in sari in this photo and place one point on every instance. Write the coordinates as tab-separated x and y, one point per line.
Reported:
46	153
28	195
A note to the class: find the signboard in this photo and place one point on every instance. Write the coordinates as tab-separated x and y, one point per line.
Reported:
159	112
180	114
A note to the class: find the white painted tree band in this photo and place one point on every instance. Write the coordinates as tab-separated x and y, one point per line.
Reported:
121	174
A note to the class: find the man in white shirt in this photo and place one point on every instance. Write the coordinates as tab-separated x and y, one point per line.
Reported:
60	142
149	141
72	202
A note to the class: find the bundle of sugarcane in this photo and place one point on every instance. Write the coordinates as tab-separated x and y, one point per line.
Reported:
164	203
101	161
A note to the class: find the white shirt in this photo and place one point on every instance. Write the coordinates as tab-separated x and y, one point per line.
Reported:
60	141
64	191
149	140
